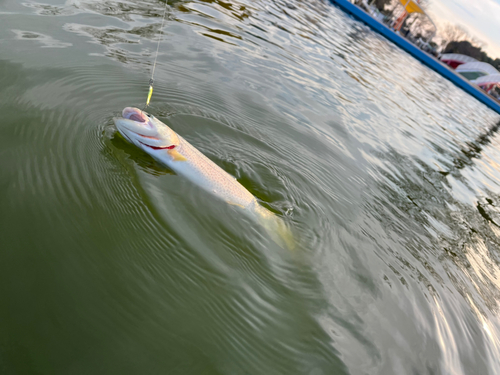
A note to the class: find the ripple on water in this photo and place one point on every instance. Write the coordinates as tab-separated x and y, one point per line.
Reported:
387	173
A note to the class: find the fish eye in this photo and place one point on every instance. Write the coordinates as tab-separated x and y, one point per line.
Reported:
147	114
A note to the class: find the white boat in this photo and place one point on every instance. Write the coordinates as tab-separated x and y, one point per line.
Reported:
456	59
490	84
474	70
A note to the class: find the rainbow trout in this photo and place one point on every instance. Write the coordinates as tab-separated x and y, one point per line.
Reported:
163	144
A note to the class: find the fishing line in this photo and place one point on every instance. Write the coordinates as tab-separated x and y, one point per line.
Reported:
151	80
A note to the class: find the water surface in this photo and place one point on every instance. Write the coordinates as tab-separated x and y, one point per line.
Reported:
110	263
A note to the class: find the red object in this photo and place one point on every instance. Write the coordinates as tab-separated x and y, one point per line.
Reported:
453	63
159	148
400	20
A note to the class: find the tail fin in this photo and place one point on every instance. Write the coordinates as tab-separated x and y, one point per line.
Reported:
275	227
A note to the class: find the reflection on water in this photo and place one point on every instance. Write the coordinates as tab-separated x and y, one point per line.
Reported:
45	40
111	263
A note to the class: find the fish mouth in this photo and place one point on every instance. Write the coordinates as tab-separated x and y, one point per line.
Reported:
134	114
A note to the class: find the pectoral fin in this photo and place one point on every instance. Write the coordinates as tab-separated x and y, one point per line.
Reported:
176	156
235	204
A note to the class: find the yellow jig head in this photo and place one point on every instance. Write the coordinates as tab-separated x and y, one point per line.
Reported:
150	91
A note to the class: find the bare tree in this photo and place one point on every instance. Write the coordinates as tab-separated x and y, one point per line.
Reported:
416	22
420	26
457	33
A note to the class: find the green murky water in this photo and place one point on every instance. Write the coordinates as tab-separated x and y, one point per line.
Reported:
112	264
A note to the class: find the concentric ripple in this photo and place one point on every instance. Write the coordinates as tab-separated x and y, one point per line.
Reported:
111	263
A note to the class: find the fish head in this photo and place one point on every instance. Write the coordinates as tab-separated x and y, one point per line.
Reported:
145	131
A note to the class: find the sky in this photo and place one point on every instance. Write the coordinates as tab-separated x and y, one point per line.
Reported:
480	17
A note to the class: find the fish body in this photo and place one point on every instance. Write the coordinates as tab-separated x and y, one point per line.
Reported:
205	173
162	143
